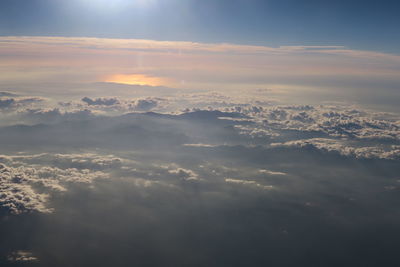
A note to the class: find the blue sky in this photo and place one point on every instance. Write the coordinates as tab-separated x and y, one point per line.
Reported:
370	25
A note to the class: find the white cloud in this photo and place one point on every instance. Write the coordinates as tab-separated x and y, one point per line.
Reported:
271	172
22	256
185	174
22	175
345	148
200	145
248	183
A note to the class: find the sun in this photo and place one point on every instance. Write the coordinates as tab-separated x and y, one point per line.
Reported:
137	79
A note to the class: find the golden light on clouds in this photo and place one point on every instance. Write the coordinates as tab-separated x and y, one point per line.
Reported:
138	79
187	65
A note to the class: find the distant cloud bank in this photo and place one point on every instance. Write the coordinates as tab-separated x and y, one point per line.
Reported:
321	72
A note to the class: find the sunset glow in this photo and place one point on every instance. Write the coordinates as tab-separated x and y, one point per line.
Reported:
137	79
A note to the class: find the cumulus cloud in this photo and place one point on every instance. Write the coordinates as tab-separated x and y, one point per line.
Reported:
263	123
16	196
114	104
23	174
184	174
99	172
100	101
22	256
345	148
15	103
145	104
350	131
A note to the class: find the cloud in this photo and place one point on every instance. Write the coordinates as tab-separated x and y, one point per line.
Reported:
54	115
299	73
8	94
100	101
229	123
141	44
333	121
184	174
209	168
22	175
347	149
145	104
15	103
18	197
22	256
5	103
115	105
200	145
248	183
271	172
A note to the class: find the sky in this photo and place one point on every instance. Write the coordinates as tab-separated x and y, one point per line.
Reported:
199	133
366	25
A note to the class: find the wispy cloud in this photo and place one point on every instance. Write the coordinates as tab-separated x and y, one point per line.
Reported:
291	72
197	64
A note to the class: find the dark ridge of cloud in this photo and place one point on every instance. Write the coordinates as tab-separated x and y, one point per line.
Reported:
82	129
100	101
8	94
10	104
145	104
365	134
6	103
189	115
46	116
210	114
30	100
113	104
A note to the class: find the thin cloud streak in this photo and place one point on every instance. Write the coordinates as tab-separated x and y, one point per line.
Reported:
189	65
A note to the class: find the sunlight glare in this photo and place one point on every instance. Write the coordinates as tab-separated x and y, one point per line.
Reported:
137	79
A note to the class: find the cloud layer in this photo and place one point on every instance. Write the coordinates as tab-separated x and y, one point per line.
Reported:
99	125
298	73
196	179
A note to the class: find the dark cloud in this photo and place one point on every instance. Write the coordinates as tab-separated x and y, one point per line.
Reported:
145	105
250	184
6	103
100	101
51	116
11	104
8	94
